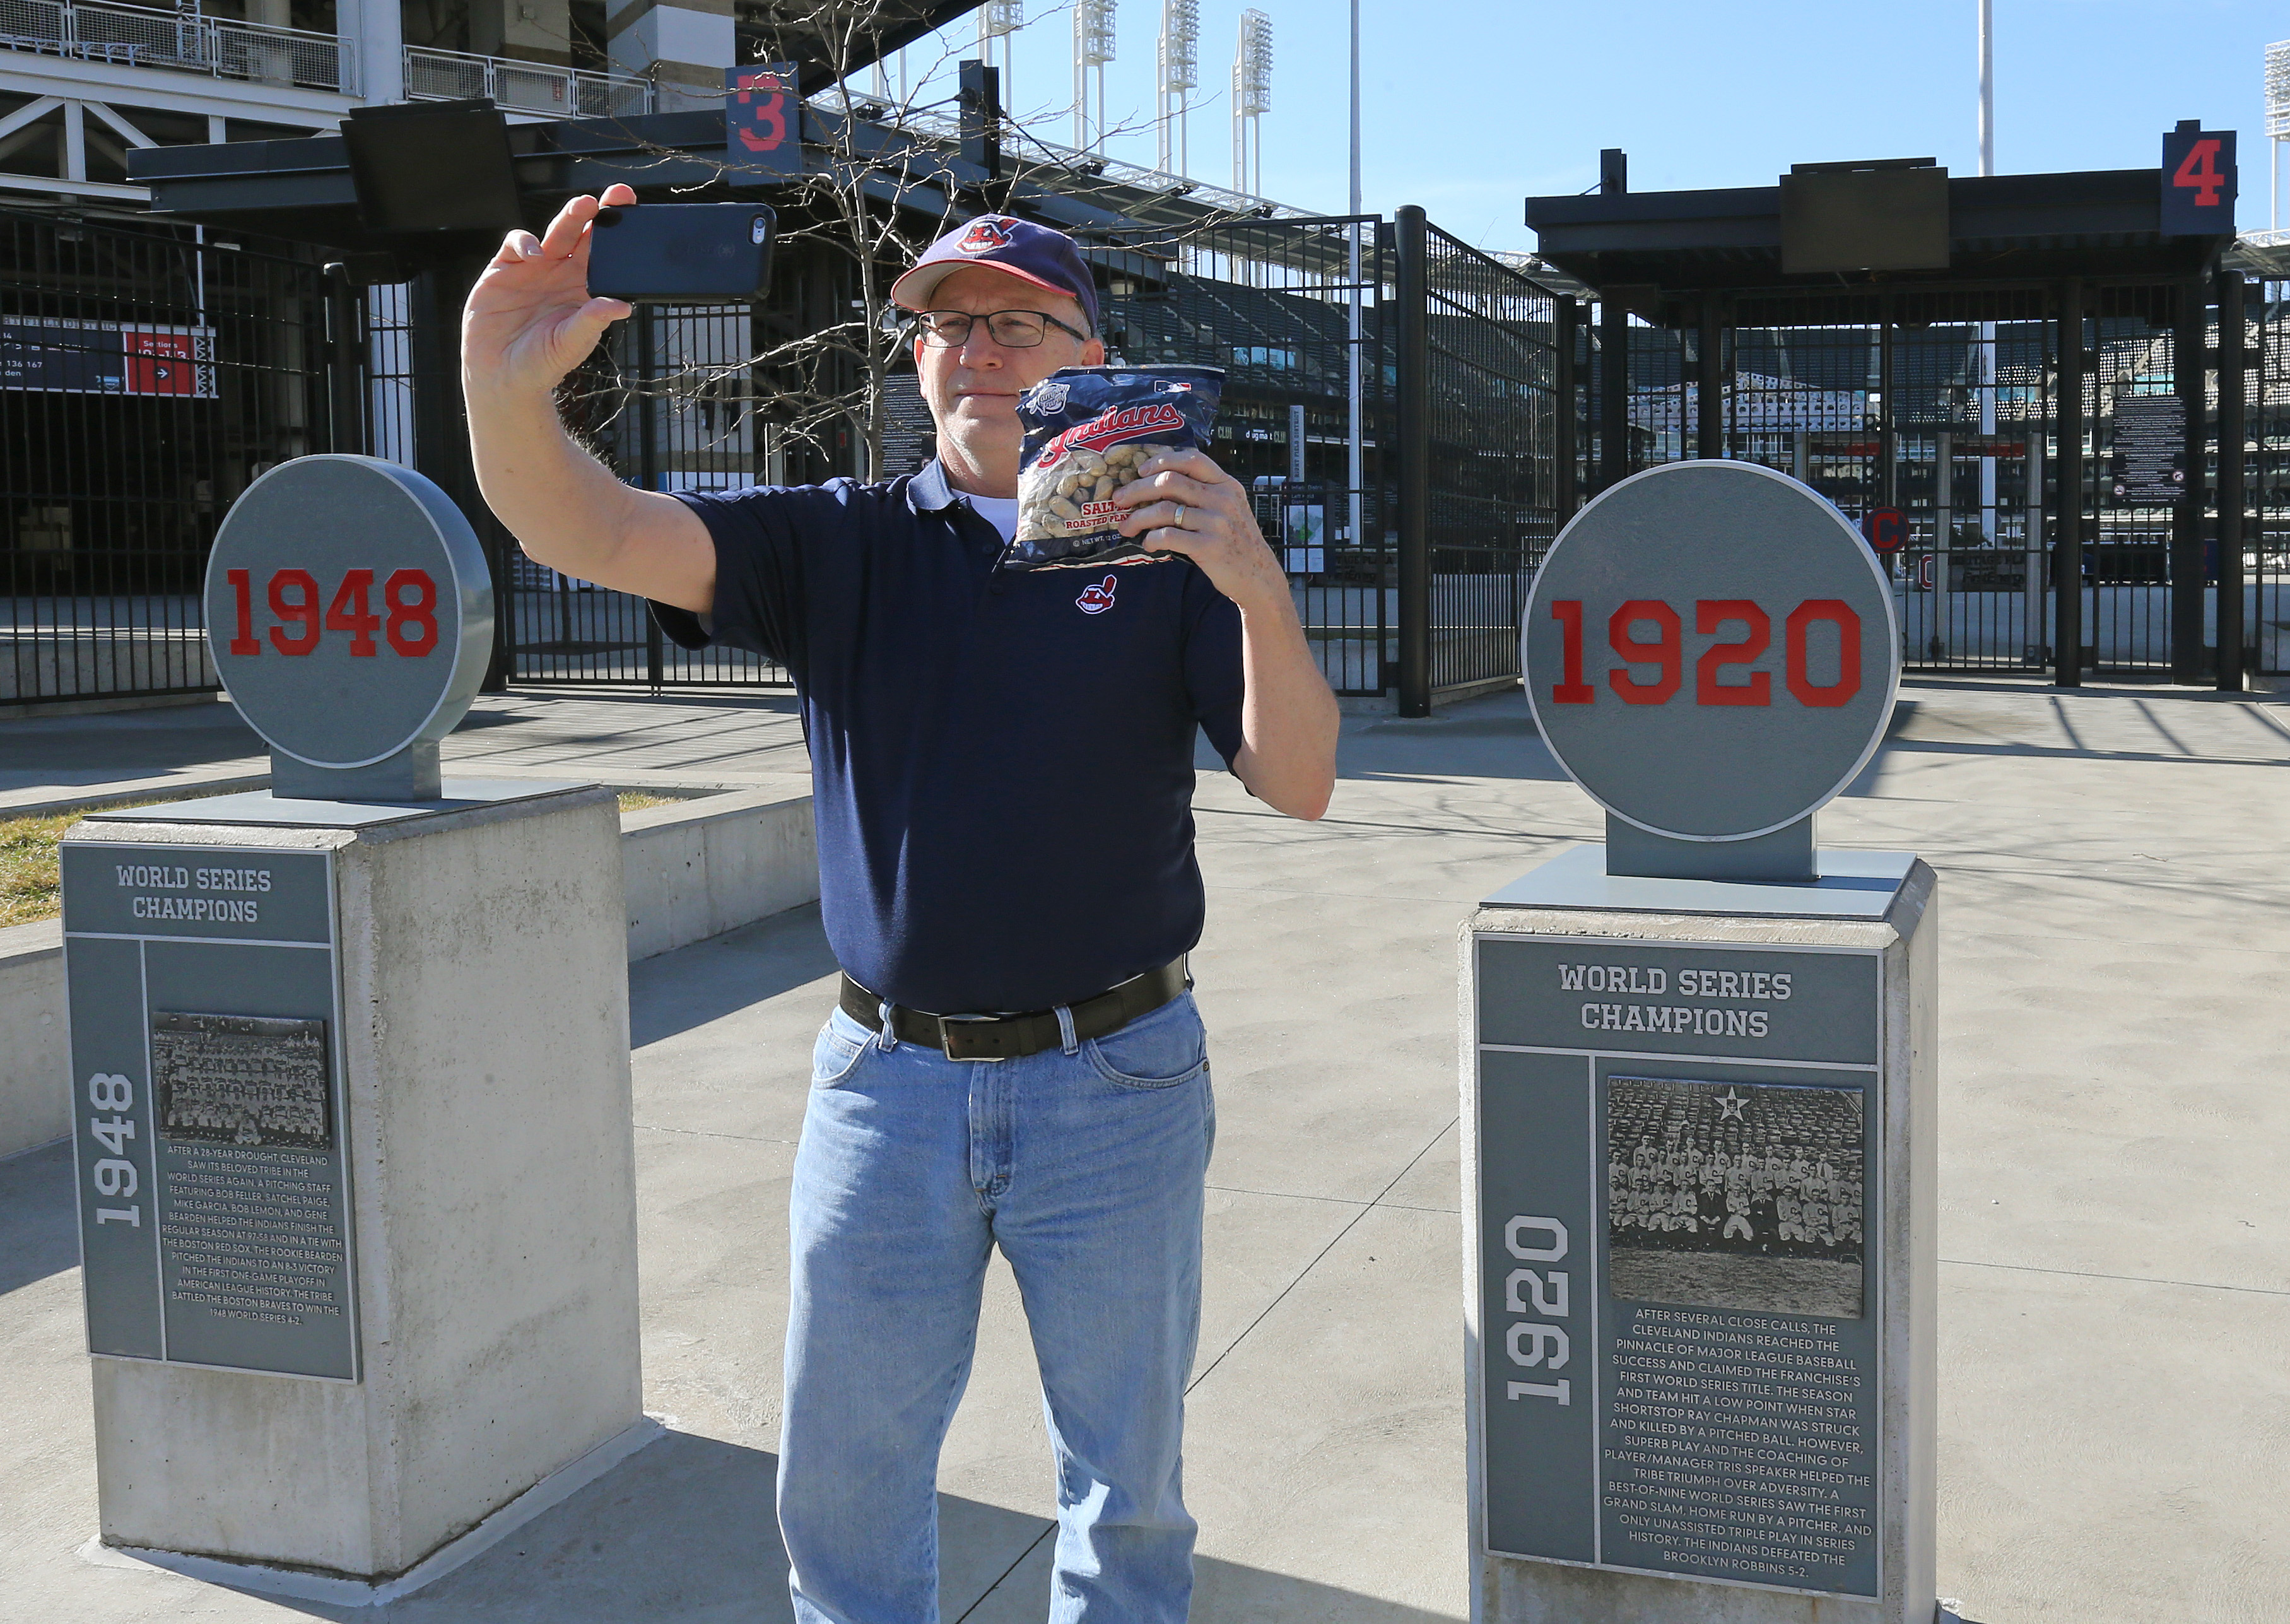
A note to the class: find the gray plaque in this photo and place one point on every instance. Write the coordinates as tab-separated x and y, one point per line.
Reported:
349	609
1589	995
1711	651
213	1166
1677	1284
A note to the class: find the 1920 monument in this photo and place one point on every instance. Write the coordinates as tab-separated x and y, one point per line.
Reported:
350	1086
1698	1080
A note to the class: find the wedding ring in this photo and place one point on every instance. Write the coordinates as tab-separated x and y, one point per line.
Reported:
1180	516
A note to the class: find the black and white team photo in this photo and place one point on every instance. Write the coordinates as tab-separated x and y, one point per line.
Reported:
1735	1196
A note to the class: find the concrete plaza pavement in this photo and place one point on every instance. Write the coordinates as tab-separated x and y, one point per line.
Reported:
621	739
2115	1432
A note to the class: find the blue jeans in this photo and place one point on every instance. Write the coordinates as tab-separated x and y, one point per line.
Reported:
1084	1165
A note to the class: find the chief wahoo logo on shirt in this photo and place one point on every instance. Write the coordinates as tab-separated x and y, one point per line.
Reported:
1098	598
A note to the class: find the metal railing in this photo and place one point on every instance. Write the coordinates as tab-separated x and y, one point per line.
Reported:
1476	362
149	379
135	36
1025	147
521	87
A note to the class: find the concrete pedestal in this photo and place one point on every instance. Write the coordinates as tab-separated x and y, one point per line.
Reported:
1699	1216
355	1159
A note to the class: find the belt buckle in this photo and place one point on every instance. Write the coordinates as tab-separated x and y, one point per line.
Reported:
946	1035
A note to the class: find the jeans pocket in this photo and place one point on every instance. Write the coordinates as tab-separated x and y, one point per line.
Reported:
1159	1049
842	1043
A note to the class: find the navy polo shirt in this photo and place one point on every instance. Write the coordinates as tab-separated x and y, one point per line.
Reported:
1002	761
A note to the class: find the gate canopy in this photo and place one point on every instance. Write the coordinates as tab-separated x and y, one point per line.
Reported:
1660	254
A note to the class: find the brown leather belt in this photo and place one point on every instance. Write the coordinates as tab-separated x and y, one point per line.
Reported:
1008	1037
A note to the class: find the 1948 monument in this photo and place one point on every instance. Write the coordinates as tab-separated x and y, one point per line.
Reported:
1698	1088
350	1085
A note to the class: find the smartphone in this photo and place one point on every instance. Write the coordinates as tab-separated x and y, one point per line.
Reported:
681	252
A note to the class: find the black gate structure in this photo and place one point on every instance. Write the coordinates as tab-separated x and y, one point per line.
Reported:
1306	315
673	405
1478	359
148	372
1990	411
2266	589
1271	301
1944	421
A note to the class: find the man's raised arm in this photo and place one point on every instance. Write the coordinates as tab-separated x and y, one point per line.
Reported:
529	322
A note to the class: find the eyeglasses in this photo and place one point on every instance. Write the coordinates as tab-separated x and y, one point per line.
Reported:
1011	329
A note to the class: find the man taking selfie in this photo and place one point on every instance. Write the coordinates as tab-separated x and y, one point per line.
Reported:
1002	770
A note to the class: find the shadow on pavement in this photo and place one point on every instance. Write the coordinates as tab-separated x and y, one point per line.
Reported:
683	1532
39	1233
693	986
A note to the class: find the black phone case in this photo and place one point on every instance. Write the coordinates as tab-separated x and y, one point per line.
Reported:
681	251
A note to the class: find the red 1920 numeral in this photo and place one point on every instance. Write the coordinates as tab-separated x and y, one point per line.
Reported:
1712	614
1571	689
408	595
1665	652
1848	651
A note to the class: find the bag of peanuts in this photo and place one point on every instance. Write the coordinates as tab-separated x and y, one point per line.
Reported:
1089	429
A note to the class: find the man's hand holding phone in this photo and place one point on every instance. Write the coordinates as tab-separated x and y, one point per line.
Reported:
529	319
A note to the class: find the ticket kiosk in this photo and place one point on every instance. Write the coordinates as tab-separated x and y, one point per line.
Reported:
1697	1095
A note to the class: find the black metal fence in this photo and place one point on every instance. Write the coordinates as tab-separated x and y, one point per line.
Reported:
673	406
1957	425
147	375
1476	359
2266	594
1293	311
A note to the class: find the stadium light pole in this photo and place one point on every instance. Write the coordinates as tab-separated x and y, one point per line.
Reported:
1092	50
998	21
1987	329
1354	392
1179	67
1252	98
2277	126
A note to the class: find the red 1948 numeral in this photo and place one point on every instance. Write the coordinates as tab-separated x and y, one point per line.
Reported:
302	607
242	589
1665	652
410	626
347	613
421	613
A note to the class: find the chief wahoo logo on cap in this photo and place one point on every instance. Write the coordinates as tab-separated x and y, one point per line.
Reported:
986	234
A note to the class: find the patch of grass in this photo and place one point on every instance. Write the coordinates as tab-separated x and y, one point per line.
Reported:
30	887
638	800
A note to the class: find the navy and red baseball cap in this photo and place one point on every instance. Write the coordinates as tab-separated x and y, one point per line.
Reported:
1016	247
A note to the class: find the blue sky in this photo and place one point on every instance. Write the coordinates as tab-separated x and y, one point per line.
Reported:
1471	108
